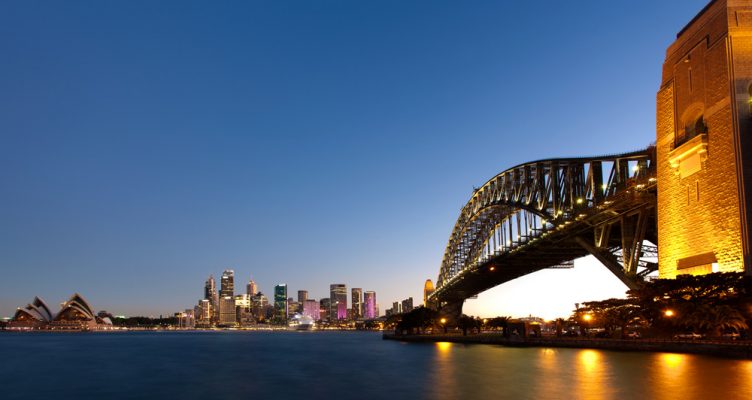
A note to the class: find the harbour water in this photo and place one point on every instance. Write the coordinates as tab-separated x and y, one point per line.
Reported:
318	365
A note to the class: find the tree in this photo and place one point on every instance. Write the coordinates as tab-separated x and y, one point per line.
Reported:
418	320
499	323
468	323
715	319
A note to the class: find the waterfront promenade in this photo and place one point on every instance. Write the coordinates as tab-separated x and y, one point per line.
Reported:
720	348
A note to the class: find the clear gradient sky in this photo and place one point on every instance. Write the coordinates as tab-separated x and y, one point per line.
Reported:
145	145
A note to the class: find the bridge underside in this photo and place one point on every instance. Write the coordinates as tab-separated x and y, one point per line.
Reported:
604	233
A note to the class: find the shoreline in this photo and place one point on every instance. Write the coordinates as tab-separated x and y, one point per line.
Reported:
737	350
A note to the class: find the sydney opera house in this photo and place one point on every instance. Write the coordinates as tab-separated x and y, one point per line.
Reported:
74	314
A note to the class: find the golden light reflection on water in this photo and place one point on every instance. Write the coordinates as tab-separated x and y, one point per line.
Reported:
444	348
592	376
673	360
445	384
669	372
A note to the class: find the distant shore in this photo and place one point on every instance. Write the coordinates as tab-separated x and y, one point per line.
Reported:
726	349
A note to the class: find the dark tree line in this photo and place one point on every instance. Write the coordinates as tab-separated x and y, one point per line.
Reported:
712	304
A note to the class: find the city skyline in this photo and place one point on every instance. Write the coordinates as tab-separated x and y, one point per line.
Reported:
142	150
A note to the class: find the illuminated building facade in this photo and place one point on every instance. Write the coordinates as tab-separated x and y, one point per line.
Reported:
210	293
338	301
357	303
205	312
227	284
704	144
311	309
369	305
427	291
293	306
280	303
251	288
227	311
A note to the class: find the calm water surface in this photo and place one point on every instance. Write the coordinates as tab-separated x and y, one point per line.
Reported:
235	365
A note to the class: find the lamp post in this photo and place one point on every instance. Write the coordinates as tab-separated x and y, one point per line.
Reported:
443	324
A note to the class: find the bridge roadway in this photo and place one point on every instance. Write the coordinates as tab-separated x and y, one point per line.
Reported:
547	213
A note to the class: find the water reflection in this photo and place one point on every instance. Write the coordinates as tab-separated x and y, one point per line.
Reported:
444	384
154	365
444	348
592	375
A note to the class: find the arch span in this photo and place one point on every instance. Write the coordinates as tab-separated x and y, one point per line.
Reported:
545	214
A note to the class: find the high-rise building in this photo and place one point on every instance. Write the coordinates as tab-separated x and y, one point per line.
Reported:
227	284
338	299
427	291
325	308
396	308
280	303
243	301
407	305
369	305
227	312
302	296
210	293
205	313
292	306
259	303
311	309
210	288
251	288
243	310
357	303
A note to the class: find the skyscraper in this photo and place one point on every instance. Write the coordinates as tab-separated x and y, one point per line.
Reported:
210	293
292	306
205	315
369	305
427	291
407	305
302	296
357	303
227	313
210	288
227	288
251	288
338	299
280	303
325	308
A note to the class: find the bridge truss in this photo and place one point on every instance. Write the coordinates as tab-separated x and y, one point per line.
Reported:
546	213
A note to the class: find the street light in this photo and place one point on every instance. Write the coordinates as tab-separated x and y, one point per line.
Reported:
587	318
669	313
443	323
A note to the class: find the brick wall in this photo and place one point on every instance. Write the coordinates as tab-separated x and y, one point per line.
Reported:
701	217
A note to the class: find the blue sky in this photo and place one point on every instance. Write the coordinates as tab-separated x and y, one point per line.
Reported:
145	145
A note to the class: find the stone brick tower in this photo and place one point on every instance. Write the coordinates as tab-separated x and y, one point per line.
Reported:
704	144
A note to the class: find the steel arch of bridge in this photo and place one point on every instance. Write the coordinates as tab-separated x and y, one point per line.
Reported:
546	213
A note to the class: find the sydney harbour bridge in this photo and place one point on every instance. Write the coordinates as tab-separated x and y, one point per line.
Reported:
546	213
680	206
